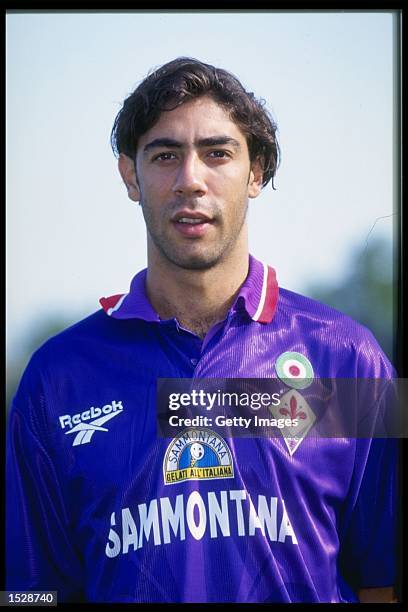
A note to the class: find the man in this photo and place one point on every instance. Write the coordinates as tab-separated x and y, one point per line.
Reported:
100	508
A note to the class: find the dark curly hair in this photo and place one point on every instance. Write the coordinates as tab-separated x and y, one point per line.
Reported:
186	78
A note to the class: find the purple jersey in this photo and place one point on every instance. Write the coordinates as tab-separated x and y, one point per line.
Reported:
100	509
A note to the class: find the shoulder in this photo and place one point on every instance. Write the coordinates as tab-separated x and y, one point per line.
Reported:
89	343
295	304
332	335
95	333
96	326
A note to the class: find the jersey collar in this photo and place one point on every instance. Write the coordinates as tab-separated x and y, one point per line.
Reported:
258	296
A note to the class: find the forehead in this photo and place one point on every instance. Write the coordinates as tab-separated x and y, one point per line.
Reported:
197	119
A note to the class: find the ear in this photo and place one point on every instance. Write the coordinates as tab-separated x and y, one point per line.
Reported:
127	171
255	179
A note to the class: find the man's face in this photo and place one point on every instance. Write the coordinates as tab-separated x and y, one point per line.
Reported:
193	179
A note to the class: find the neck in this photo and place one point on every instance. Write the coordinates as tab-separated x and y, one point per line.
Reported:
196	298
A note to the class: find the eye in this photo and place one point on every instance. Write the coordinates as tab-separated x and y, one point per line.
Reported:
219	154
164	156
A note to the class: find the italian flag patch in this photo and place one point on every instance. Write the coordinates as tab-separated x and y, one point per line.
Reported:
295	370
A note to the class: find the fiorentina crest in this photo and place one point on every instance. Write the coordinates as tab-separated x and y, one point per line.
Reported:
294	406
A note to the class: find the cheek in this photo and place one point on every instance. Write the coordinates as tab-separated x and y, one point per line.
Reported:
233	178
154	190
234	188
151	183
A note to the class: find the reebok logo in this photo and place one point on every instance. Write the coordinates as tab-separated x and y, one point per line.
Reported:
84	427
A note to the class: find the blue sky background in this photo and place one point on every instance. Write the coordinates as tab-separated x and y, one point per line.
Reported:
72	233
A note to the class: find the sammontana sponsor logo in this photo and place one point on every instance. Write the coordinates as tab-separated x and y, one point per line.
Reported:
81	423
197	454
212	515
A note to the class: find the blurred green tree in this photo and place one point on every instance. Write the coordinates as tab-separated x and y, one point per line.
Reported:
366	292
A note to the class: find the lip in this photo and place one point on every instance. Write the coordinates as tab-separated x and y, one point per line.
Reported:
191	214
196	230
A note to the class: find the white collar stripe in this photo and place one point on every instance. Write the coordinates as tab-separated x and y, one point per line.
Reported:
263	293
117	305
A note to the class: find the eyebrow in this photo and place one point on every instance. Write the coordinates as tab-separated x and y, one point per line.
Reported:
212	141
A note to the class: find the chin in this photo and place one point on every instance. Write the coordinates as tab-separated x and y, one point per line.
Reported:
197	261
196	265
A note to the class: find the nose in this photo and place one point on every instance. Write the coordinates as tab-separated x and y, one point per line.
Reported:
190	177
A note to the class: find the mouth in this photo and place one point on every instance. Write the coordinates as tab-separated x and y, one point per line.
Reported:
193	224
